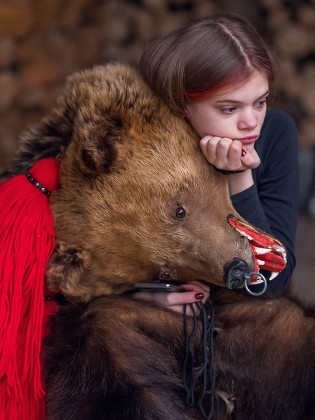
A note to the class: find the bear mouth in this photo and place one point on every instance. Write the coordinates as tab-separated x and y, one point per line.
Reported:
268	252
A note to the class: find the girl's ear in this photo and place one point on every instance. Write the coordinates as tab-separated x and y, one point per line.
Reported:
187	111
187	115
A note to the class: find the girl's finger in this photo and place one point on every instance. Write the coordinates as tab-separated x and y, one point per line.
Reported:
208	146
222	152
197	286
172	299
251	160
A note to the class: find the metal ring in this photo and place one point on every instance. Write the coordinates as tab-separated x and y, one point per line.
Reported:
248	278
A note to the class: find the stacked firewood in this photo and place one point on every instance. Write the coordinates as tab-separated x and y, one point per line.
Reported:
42	42
292	28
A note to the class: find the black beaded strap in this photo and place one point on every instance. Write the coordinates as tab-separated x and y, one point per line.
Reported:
38	185
225	172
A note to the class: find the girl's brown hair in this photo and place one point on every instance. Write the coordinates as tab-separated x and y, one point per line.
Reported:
209	53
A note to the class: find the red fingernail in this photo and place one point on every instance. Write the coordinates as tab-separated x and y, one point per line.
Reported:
243	152
199	296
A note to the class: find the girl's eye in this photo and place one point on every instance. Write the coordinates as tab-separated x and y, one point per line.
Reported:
261	103
180	212
227	110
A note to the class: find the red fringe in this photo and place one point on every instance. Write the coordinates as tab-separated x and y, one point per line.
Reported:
27	240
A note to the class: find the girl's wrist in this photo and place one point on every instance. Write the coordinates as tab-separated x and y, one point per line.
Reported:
240	181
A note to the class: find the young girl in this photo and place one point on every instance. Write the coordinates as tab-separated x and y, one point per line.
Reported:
217	73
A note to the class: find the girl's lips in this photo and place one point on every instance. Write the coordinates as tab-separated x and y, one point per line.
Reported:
248	140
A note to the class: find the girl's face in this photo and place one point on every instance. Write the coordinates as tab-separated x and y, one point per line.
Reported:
236	111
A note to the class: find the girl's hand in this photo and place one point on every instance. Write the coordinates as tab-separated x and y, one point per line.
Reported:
228	154
196	292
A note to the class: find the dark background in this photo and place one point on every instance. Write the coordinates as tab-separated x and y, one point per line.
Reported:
42	42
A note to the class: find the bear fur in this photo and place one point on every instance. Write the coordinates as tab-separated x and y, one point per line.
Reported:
137	202
119	358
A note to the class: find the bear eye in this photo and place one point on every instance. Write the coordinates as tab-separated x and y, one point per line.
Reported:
180	212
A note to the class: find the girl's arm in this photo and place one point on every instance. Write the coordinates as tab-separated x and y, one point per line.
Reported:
271	204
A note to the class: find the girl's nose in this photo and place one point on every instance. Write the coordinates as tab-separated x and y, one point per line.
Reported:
248	120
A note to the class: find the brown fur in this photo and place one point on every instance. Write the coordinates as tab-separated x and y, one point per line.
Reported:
127	166
265	356
119	358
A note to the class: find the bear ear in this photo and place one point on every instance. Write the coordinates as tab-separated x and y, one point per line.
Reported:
67	270
46	139
98	143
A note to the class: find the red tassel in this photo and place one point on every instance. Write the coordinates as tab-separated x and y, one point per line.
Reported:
27	240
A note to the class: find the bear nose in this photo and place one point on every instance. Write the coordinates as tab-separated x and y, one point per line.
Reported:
235	273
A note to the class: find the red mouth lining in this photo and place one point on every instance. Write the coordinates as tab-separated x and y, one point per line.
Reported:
269	253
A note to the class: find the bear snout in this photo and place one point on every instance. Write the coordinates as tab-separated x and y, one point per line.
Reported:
235	273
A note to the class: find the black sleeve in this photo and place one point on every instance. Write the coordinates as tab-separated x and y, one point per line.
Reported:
272	203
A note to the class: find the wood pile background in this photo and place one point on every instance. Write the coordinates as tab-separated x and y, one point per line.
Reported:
44	41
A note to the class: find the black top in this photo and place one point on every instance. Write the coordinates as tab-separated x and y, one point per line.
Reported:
272	203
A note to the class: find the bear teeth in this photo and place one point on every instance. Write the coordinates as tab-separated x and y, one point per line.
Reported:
261	251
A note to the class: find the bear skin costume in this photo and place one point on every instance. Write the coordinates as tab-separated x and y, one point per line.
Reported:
137	202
